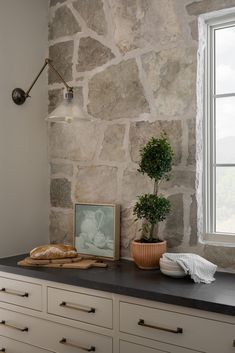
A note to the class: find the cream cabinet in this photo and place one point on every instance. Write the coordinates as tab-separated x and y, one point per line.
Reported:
9	345
38	316
128	347
172	327
22	293
135	348
81	307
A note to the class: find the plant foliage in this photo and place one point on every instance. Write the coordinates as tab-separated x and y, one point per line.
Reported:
156	162
153	208
156	158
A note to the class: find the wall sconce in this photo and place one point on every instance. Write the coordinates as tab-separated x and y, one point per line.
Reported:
67	111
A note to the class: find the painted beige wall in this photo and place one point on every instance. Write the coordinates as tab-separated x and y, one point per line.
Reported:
23	132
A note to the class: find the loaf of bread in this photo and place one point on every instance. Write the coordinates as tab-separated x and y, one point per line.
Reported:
53	251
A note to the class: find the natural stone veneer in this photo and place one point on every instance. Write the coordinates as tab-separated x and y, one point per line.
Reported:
92	13
61	227
193	222
142	23
140	132
174	228
77	141
91	54
63	23
96	184
61	193
113	148
171	74
191	142
130	229
66	169
221	255
117	92
134	184
135	64
55	2
56	96
179	179
61	54
200	7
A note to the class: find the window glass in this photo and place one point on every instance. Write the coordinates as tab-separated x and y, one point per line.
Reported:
225	60
225	130
225	200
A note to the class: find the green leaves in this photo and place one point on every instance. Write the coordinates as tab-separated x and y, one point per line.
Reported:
156	162
156	158
152	207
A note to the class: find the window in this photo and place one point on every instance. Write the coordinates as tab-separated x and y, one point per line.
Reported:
220	131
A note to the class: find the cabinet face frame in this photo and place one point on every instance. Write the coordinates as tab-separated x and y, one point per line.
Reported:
114	332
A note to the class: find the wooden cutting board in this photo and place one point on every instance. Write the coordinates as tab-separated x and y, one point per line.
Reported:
31	261
83	264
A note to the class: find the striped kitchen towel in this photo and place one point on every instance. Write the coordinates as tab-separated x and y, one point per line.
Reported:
194	265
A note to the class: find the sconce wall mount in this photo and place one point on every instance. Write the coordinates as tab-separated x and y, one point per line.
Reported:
19	96
67	111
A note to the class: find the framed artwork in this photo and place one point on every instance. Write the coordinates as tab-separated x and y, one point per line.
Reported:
97	230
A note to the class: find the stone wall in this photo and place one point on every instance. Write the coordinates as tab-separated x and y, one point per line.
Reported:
133	64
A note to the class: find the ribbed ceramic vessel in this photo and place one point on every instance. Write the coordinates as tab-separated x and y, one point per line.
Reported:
147	255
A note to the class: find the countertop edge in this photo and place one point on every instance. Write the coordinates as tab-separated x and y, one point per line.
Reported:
126	291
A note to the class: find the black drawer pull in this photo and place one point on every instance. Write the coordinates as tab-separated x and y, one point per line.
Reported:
4	323
64	341
3	350
13	292
77	307
142	323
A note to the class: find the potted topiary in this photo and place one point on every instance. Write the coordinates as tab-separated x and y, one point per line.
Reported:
156	162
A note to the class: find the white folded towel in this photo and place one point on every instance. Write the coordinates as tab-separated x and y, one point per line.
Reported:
196	266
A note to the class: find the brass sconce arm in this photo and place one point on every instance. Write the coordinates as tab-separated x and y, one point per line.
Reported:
19	96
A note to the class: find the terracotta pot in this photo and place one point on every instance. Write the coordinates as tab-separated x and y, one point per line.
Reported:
147	255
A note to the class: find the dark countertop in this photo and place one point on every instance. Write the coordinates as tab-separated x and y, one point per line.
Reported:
123	277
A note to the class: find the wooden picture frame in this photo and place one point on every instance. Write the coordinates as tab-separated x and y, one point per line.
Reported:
97	230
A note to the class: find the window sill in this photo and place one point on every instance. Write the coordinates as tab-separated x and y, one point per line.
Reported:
225	240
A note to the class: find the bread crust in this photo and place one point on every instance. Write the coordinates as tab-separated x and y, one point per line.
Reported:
53	251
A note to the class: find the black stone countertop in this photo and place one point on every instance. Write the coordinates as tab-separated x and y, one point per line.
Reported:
123	277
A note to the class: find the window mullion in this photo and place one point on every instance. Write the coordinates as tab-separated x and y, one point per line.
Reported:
211	136
224	95
213	122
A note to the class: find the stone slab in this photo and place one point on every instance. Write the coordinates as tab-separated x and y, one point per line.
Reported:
123	277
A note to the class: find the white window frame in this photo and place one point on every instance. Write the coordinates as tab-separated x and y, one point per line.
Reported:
211	24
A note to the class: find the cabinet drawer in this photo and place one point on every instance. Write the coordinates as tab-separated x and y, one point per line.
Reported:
65	339
51	336
81	307
21	293
178	329
12	346
127	347
21	327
